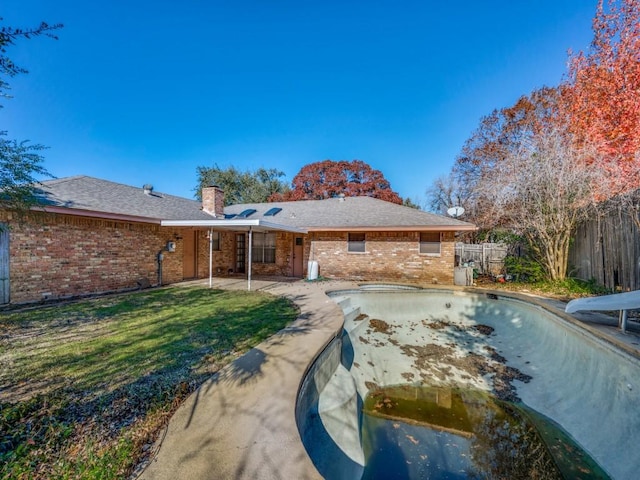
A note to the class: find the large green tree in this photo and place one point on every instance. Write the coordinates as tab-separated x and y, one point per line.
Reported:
242	186
20	161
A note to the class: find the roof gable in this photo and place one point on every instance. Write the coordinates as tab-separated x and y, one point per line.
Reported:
351	213
91	194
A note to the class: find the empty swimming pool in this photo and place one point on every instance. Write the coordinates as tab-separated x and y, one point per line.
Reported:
420	383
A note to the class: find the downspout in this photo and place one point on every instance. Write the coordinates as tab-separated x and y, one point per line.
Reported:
159	258
312	254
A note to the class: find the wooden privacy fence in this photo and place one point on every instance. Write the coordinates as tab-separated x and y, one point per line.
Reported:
4	263
607	250
487	258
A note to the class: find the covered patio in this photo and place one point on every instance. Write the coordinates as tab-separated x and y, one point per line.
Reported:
247	226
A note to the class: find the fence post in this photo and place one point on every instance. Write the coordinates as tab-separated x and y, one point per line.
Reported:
485	264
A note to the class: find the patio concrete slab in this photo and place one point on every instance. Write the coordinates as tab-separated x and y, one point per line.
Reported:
241	422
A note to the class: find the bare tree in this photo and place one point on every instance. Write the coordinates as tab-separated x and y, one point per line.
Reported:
446	192
542	189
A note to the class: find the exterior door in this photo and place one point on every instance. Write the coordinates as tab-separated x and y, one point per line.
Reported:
241	252
189	257
4	263
298	257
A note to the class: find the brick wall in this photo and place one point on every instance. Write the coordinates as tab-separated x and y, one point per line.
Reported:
60	256
213	201
224	260
282	266
389	256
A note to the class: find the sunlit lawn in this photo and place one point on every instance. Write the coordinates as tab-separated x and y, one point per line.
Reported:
84	387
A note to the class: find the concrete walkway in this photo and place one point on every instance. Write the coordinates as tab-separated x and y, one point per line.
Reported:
602	325
240	424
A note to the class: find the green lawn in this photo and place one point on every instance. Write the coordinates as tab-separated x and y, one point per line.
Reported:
86	386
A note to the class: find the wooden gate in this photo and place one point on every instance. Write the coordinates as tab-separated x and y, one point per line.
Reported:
4	263
487	258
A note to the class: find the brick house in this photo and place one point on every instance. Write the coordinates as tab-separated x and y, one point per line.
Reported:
93	236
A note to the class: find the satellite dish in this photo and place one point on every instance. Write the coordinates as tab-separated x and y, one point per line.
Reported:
455	211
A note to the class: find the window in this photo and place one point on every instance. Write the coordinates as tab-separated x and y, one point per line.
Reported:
264	248
430	243
215	241
356	242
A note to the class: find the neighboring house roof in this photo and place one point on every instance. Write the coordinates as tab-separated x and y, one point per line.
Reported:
349	213
96	197
89	196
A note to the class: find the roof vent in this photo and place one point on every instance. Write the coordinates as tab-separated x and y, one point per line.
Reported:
147	188
341	197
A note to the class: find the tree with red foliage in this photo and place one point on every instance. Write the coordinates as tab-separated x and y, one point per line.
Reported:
602	95
329	178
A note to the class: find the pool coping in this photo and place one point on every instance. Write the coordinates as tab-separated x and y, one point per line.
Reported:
602	326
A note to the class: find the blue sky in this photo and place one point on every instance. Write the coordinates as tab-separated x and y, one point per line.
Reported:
146	91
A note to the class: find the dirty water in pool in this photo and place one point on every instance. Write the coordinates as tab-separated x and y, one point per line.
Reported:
536	373
445	433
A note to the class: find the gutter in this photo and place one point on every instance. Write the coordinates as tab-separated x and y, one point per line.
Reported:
95	214
415	228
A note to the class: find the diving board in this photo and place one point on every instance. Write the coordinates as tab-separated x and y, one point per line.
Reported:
617	301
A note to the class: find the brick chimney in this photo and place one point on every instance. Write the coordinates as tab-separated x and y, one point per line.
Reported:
213	201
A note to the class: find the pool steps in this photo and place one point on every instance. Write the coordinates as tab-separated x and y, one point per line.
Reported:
338	409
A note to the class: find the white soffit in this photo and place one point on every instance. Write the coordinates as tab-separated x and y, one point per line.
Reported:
256	224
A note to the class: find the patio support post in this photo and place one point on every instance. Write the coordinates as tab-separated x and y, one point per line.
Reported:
210	257
622	321
249	269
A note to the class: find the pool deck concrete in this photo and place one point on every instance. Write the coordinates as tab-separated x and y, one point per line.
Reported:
240	424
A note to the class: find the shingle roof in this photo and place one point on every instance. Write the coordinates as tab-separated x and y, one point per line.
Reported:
349	213
102	196
96	195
